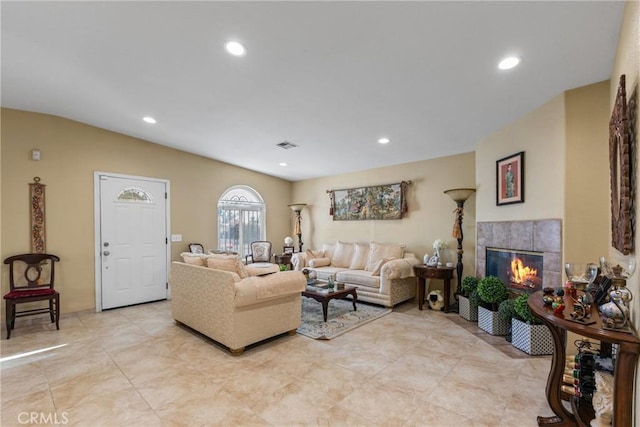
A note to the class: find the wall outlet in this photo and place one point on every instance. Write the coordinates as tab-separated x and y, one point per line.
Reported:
176	237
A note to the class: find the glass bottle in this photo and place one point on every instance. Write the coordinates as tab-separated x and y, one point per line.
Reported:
332	284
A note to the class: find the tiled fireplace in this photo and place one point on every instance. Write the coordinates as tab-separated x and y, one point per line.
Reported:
539	238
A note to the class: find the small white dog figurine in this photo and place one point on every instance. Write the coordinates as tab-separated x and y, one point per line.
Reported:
436	300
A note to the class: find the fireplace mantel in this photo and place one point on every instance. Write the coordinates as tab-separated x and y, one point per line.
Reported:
536	235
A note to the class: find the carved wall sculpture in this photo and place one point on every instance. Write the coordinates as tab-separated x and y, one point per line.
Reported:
36	196
621	166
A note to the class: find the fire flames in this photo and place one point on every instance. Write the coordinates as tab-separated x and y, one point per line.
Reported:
522	274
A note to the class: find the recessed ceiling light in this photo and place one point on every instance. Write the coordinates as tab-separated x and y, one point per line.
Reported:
150	120
283	164
509	62
235	48
384	140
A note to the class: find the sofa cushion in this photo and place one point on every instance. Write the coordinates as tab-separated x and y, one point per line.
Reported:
319	262
342	254
228	263
378	251
359	277
327	249
360	256
253	290
194	259
323	273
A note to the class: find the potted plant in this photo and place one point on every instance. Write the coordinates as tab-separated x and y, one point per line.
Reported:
468	306
528	333
506	311
492	291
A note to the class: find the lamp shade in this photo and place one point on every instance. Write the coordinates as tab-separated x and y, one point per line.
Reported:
297	207
460	194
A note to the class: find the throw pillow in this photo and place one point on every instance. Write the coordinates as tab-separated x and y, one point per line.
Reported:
194	259
360	257
378	266
378	251
319	262
342	254
228	263
313	254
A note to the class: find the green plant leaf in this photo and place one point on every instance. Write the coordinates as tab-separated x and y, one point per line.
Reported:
492	291
469	284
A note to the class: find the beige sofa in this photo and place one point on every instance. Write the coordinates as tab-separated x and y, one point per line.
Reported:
383	273
235	311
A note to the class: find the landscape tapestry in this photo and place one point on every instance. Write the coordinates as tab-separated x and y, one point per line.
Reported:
376	202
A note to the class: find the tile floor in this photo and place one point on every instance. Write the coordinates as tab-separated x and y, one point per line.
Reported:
135	367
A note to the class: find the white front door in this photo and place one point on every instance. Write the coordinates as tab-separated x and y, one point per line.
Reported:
133	240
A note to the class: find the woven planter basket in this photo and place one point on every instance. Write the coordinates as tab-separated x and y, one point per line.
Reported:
535	340
465	310
490	322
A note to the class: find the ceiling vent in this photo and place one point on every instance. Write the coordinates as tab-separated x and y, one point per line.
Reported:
286	145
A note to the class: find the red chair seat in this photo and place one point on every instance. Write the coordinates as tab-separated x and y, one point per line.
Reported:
31	278
30	293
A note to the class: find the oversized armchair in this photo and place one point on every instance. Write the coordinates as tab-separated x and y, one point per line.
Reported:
236	310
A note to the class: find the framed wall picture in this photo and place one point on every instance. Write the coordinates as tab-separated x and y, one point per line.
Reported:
510	179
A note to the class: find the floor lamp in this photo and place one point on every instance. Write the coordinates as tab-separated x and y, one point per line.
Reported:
459	195
297	229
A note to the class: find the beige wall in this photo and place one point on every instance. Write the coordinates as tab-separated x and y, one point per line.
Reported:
562	141
541	135
586	202
627	61
430	215
71	152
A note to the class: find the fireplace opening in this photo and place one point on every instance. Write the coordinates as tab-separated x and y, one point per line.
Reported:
521	271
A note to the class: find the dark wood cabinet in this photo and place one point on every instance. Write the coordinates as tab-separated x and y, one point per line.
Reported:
624	370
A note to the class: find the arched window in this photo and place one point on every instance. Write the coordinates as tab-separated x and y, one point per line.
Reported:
240	219
135	195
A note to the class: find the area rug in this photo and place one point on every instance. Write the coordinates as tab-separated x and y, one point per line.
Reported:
341	318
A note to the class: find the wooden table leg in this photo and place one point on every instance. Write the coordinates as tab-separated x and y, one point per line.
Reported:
554	382
325	308
420	283
447	292
355	297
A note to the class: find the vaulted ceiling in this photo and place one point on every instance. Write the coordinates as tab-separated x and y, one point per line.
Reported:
329	77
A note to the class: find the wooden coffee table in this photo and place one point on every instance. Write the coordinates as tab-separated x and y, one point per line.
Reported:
323	296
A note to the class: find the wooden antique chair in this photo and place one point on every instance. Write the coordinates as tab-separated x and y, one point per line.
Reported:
31	279
260	252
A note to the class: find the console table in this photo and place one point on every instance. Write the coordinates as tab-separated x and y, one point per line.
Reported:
444	273
624	370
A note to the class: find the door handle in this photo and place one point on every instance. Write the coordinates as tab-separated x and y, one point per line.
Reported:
105	253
